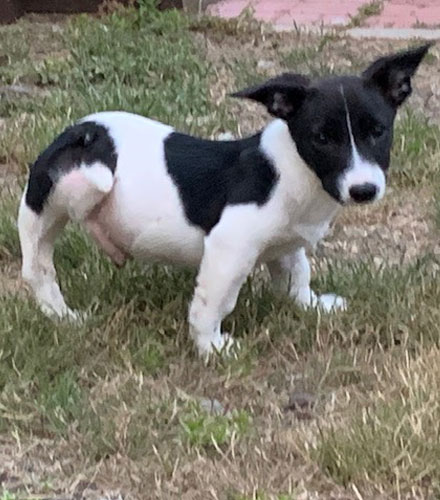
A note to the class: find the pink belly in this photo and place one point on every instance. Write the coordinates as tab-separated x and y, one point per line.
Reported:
103	226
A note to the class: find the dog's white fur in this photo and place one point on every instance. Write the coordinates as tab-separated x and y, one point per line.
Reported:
138	213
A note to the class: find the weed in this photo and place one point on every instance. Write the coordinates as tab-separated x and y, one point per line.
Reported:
6	495
367	10
203	430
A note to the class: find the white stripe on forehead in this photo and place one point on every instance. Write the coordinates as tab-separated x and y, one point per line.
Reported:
356	155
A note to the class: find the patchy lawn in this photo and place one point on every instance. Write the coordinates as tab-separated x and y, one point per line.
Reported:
314	406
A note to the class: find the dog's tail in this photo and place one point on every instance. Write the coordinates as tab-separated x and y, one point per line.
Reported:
82	143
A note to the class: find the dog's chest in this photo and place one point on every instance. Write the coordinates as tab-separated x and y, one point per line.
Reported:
313	221
304	224
300	206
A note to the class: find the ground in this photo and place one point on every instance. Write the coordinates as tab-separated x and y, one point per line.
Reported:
313	406
378	13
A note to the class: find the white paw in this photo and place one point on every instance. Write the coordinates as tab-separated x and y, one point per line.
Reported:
64	314
73	316
329	302
223	344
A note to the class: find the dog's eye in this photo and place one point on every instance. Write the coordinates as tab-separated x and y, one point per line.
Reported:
321	138
377	131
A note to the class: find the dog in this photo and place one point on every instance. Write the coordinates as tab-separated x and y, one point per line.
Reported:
144	191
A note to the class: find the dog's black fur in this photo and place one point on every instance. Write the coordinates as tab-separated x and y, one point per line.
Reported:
316	112
212	174
83	143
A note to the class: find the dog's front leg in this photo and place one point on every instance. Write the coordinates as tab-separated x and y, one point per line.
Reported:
292	274
226	263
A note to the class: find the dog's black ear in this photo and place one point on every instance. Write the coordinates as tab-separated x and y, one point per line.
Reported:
281	95
392	74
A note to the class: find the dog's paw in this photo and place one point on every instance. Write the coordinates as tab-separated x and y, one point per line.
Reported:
223	345
327	302
66	314
330	302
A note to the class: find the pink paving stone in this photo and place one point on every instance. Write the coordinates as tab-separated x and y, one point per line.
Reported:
396	13
407	14
290	11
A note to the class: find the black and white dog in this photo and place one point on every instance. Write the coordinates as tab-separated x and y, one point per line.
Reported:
143	190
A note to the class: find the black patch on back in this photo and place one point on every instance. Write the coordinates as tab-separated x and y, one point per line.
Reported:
84	143
210	175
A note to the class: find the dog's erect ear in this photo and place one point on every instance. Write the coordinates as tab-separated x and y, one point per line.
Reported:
392	74
281	95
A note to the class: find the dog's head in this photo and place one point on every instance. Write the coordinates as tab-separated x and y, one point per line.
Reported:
343	126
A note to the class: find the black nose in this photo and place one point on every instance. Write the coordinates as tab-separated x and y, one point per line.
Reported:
361	193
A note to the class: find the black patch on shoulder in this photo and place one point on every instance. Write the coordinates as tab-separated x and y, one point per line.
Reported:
212	174
83	143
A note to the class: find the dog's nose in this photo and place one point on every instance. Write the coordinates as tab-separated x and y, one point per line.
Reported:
361	193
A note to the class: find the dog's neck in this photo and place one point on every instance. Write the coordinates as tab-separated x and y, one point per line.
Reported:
297	177
308	206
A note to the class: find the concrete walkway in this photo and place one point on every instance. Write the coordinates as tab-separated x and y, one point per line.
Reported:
378	14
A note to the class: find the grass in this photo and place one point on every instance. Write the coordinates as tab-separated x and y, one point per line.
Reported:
85	76
114	404
367	10
213	431
397	439
263	496
8	496
311	59
416	150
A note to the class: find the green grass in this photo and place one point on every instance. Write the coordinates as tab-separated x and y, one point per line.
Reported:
162	77
6	495
416	152
120	392
213	431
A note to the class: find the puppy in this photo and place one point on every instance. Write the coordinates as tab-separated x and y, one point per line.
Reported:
145	191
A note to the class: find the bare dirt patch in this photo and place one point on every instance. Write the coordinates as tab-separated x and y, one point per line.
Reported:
395	231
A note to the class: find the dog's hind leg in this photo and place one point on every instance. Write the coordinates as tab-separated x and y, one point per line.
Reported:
38	232
73	197
68	180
